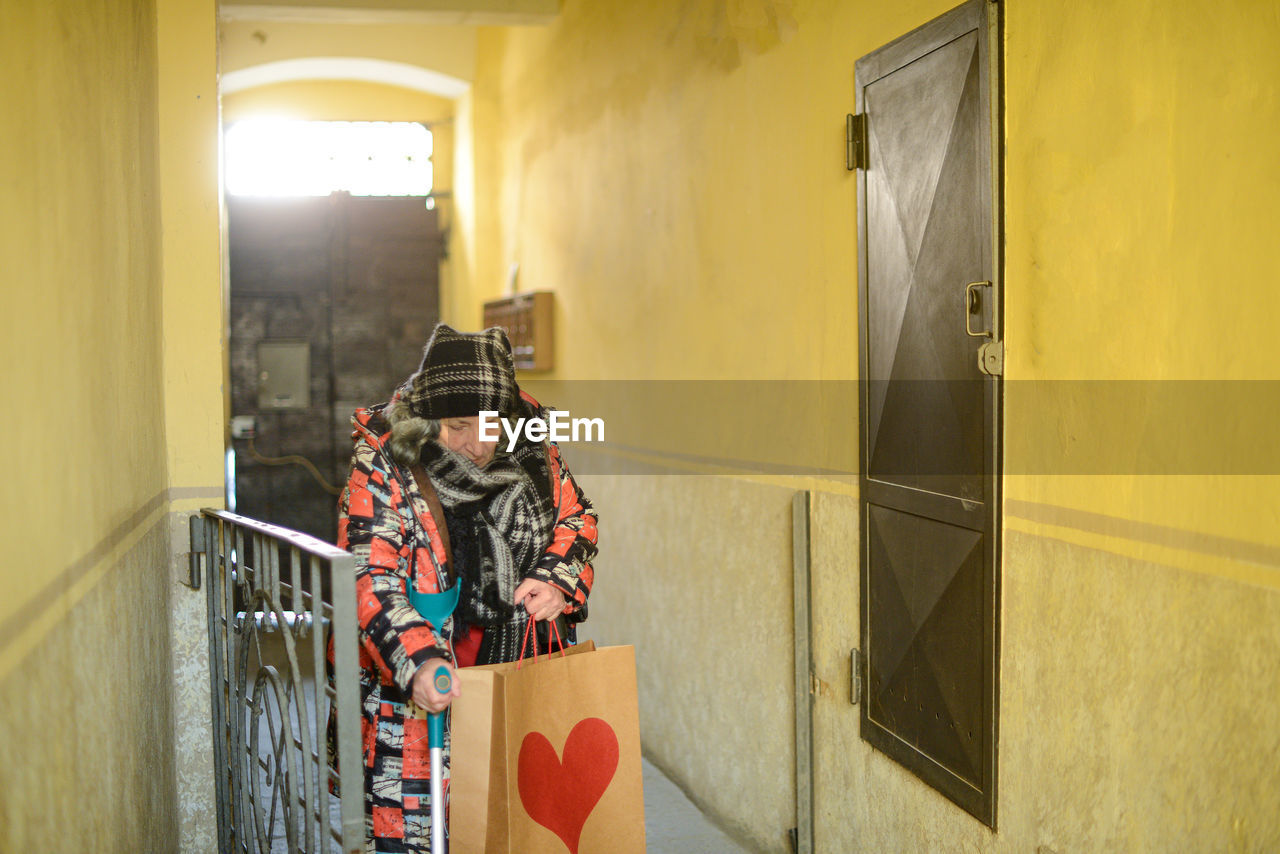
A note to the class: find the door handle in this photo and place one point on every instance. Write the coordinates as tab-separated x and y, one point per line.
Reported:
973	303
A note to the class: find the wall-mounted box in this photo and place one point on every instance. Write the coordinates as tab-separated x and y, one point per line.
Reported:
284	374
528	319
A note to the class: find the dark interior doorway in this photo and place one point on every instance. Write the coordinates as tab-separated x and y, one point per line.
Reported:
331	301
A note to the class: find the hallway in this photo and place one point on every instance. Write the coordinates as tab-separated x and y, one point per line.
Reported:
673	824
684	183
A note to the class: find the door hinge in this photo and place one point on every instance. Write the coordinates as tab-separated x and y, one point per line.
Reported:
856	153
991	358
855	676
196	524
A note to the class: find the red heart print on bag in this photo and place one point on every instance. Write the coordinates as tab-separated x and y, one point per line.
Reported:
561	795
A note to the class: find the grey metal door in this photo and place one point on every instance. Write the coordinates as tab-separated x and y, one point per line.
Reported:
928	308
356	278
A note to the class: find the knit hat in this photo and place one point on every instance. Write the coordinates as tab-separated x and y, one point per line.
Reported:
464	374
461	374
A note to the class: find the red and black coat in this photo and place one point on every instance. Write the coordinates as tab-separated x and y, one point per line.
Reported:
393	549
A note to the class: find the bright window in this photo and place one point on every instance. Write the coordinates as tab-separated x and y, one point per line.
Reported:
284	157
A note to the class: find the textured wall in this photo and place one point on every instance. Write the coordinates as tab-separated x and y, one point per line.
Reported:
674	172
1131	259
192	713
710	617
1134	716
85	760
79	245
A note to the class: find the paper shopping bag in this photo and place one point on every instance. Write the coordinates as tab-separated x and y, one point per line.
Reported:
546	757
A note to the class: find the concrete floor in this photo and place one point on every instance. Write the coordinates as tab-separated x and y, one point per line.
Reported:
673	825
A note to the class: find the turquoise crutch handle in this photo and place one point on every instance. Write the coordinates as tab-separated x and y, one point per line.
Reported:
442	682
435	608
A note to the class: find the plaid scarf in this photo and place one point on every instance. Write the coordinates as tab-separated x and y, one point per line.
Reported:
508	508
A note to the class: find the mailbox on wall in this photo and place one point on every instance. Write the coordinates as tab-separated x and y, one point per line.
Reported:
527	318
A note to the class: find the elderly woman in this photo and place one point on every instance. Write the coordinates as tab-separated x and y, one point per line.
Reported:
430	504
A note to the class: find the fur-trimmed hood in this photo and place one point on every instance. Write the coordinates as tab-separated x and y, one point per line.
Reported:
394	427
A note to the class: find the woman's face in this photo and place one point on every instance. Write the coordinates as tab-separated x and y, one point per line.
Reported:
462	436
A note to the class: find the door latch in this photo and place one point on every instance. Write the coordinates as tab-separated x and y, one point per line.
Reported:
991	353
991	358
972	306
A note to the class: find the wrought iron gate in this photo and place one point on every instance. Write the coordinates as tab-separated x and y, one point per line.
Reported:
275	596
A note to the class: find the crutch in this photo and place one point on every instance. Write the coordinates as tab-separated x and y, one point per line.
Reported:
435	740
435	609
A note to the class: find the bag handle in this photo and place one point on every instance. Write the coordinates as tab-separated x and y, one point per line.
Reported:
528	628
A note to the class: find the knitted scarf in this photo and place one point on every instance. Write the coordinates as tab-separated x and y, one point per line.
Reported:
508	508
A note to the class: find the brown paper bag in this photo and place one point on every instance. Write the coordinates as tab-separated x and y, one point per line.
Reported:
546	758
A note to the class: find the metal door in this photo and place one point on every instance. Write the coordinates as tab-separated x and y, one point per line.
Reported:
354	281
928	311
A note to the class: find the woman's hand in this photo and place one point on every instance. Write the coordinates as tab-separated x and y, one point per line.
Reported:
424	686
543	601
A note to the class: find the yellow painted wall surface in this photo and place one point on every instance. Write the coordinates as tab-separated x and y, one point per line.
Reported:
336	100
193	305
674	172
195	371
1141	203
665	161
84	662
447	49
82	278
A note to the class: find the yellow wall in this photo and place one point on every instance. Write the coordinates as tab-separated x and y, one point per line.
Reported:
113	425
195	372
1140	247
447	49
674	172
679	127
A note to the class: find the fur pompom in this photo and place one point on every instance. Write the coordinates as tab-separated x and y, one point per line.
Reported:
409	433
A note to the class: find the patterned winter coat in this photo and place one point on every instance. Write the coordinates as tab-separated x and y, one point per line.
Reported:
377	526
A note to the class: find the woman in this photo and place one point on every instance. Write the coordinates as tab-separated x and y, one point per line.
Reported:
430	504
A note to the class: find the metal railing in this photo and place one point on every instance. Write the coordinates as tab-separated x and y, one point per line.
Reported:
275	596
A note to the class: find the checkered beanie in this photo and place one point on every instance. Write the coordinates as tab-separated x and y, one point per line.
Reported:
463	374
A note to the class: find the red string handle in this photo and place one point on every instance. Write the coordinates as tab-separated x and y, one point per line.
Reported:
555	630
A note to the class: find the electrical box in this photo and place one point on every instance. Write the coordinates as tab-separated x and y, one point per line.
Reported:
243	426
528	319
284	374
